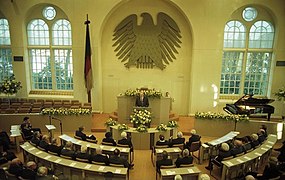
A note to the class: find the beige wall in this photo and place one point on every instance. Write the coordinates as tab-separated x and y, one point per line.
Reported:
189	79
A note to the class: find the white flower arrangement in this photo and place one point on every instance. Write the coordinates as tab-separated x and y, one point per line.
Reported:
161	127
211	115
140	117
280	94
151	93
65	111
110	122
142	128
10	86
123	127
172	124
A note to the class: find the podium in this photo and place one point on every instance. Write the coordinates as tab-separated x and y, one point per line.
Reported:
159	108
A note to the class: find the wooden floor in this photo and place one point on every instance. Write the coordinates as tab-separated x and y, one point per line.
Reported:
143	168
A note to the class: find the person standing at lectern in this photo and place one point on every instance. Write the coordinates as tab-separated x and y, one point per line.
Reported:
142	100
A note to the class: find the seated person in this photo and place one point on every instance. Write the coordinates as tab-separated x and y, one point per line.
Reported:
4	140
254	140
142	100
83	154
30	171
36	138
27	128
67	150
116	159
186	159
224	152
178	177
82	135
281	156
42	174
194	137
261	136
161	141
6	157
163	162
44	143
264	127
126	141
99	157
54	147
237	148
108	138
179	140
16	167
245	144
205	177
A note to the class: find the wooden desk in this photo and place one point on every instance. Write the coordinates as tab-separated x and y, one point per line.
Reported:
187	173
70	168
92	146
143	141
259	154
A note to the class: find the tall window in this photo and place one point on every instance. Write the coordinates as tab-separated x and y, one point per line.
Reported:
247	56
50	54
6	69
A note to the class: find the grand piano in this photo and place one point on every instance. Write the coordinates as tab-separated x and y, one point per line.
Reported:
249	105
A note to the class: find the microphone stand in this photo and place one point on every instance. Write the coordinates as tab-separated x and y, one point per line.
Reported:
60	123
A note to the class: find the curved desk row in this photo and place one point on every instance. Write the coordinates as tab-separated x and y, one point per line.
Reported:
92	146
70	168
258	155
143	141
211	148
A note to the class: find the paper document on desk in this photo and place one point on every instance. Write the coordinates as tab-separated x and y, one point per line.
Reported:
170	172
88	166
101	168
57	161
190	171
118	171
47	157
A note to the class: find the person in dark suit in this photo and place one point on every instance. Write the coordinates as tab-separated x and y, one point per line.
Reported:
4	140
42	174
161	141
54	147
224	152
27	129
6	156
99	157
44	143
16	167
36	138
163	162
281	156
108	138
186	159
194	137
83	154
126	141
237	148
254	140
67	150
245	144
30	171
116	159
261	135
179	140
264	127
142	100
82	135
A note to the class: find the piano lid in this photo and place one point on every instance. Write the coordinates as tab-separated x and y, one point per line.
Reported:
249	100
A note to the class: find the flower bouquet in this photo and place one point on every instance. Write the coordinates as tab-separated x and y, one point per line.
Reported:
141	128
10	86
110	122
211	115
172	124
123	127
151	93
140	117
65	111
280	94
161	127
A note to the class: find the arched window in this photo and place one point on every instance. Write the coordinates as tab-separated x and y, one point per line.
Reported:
50	53
6	68
247	55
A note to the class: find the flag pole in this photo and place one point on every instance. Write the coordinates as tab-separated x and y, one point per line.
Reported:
87	68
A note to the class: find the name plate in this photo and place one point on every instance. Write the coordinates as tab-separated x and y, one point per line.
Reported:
101	168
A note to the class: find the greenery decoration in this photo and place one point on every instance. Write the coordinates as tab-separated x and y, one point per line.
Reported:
142	128
140	117
65	111
10	86
110	122
229	117
172	124
151	93
123	127
161	127
280	94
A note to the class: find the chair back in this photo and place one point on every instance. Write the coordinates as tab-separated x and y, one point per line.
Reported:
92	140
160	147
240	154
195	146
123	145
107	143
181	146
82	160
66	157
98	163
117	165
167	167
77	137
186	165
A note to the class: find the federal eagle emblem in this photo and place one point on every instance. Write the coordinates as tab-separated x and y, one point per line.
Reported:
147	45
